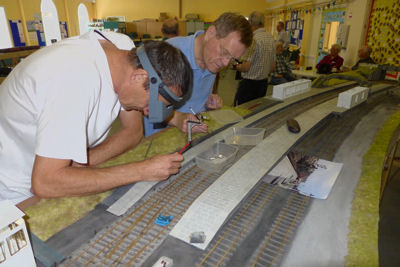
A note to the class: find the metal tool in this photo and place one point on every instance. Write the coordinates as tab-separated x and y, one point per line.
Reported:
188	145
198	116
190	125
148	148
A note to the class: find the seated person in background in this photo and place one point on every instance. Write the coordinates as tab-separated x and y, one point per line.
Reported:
169	28
283	69
332	62
364	55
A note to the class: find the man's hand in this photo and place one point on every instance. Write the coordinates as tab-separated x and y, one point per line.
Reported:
161	167
214	102
179	120
201	128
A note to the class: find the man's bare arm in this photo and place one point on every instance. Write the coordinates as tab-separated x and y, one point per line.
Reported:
127	137
243	67
57	178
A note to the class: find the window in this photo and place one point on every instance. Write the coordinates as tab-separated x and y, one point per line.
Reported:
50	22
5	38
16	242
330	35
2	252
83	19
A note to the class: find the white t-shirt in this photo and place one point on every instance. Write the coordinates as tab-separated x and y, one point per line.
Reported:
56	103
122	41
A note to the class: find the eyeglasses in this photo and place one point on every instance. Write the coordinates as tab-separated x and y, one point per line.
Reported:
224	53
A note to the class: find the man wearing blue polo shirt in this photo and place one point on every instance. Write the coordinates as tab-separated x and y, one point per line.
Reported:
207	52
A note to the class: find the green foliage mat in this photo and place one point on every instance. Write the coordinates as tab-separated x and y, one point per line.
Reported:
361	73
363	228
50	216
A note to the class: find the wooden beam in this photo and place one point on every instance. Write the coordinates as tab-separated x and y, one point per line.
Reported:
17	54
67	18
180	9
24	27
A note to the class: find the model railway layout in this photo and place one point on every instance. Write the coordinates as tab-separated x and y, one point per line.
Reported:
260	229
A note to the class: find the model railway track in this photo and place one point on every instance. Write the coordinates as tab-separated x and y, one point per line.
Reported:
225	245
279	118
130	240
325	139
226	242
270	250
135	236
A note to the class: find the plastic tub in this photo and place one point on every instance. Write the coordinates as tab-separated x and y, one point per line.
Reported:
245	136
216	157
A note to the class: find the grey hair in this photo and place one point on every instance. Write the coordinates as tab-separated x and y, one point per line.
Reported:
256	18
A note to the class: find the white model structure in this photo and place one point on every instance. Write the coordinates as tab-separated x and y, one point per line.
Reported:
285	90
15	248
352	97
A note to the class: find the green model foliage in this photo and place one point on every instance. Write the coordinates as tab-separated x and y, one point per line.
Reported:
363	228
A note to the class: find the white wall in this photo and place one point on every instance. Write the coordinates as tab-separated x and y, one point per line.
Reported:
310	55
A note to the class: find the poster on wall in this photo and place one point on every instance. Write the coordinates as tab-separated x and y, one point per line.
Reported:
21	32
294	28
35	30
63	29
17	33
32	31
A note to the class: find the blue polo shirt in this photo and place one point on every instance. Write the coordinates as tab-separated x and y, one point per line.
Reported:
203	81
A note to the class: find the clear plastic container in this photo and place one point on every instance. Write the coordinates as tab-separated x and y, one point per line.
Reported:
216	157
245	136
